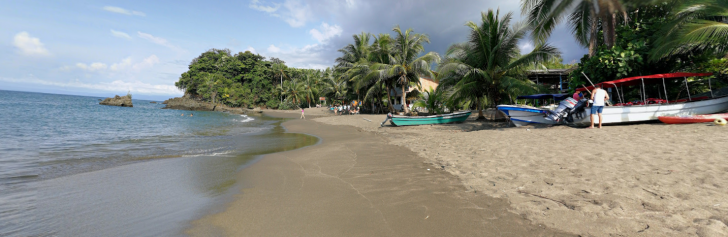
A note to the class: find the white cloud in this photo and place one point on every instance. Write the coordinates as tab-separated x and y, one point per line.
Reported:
93	67
29	45
146	63
310	56
251	49
123	11
273	49
255	4
126	65
158	40
114	86
294	12
120	34
326	32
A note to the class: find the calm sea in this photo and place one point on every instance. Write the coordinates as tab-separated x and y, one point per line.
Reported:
72	167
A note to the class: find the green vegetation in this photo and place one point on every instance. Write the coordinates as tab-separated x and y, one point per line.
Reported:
625	38
483	69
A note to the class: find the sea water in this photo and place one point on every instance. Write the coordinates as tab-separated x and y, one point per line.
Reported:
72	167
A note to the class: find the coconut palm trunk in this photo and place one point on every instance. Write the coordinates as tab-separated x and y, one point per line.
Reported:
389	99
404	100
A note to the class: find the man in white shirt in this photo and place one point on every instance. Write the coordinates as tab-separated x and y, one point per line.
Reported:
599	96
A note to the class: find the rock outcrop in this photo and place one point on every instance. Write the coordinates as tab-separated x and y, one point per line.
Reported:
185	103
123	101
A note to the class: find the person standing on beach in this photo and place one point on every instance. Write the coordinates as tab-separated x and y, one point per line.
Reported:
599	96
302	116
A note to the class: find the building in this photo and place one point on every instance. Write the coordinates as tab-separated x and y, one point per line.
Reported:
426	84
555	79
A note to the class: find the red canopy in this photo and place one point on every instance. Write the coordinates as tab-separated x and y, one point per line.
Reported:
638	79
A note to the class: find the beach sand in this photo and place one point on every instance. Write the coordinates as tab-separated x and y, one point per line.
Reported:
629	180
354	183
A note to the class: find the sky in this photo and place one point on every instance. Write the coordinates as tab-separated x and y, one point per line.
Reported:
102	48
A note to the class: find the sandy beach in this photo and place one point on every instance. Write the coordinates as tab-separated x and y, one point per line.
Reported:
356	184
484	179
631	180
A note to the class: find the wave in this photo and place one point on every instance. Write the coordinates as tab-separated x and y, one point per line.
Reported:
245	119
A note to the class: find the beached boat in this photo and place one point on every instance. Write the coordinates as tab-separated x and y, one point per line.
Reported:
521	115
398	120
651	109
706	118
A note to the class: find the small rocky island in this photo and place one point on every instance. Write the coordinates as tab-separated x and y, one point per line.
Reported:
123	101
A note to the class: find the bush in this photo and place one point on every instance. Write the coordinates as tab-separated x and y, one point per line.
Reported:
286	105
272	104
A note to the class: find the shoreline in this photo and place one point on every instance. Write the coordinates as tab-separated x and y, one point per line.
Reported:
354	183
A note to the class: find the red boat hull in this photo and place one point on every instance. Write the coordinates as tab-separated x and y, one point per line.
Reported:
692	119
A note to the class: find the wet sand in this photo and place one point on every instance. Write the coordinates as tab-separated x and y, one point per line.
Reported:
629	180
356	184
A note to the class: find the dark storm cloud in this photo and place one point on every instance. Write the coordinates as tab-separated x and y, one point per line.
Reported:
443	21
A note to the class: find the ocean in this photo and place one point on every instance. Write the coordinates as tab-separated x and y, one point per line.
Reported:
72	167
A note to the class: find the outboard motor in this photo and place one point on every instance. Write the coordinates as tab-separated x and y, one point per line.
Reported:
562	111
578	111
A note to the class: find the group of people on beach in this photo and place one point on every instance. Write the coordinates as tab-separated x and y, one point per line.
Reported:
341	109
598	99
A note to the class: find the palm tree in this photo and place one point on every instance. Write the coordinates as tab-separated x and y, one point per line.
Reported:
309	81
432	100
584	18
404	66
293	90
483	68
279	70
353	53
335	87
696	25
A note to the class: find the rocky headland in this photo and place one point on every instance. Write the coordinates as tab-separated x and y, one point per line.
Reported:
123	101
186	103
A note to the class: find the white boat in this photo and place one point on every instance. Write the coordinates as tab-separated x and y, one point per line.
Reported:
650	112
644	113
521	115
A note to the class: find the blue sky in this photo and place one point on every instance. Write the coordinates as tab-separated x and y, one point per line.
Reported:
110	47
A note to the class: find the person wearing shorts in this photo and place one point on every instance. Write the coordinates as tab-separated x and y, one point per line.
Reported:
599	96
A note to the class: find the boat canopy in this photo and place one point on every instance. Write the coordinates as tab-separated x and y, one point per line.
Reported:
630	81
544	96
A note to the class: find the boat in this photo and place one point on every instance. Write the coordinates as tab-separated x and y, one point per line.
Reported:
650	109
400	120
706	118
521	115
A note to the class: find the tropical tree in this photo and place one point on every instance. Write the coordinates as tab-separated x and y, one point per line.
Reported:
279	71
405	66
696	25
335	87
584	18
483	68
432	100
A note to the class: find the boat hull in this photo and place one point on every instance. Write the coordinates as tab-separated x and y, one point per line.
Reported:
425	120
692	119
644	113
524	115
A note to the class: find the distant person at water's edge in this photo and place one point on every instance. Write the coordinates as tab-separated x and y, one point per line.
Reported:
599	96
302	116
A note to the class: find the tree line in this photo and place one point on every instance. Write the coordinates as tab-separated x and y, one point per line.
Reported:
625	38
